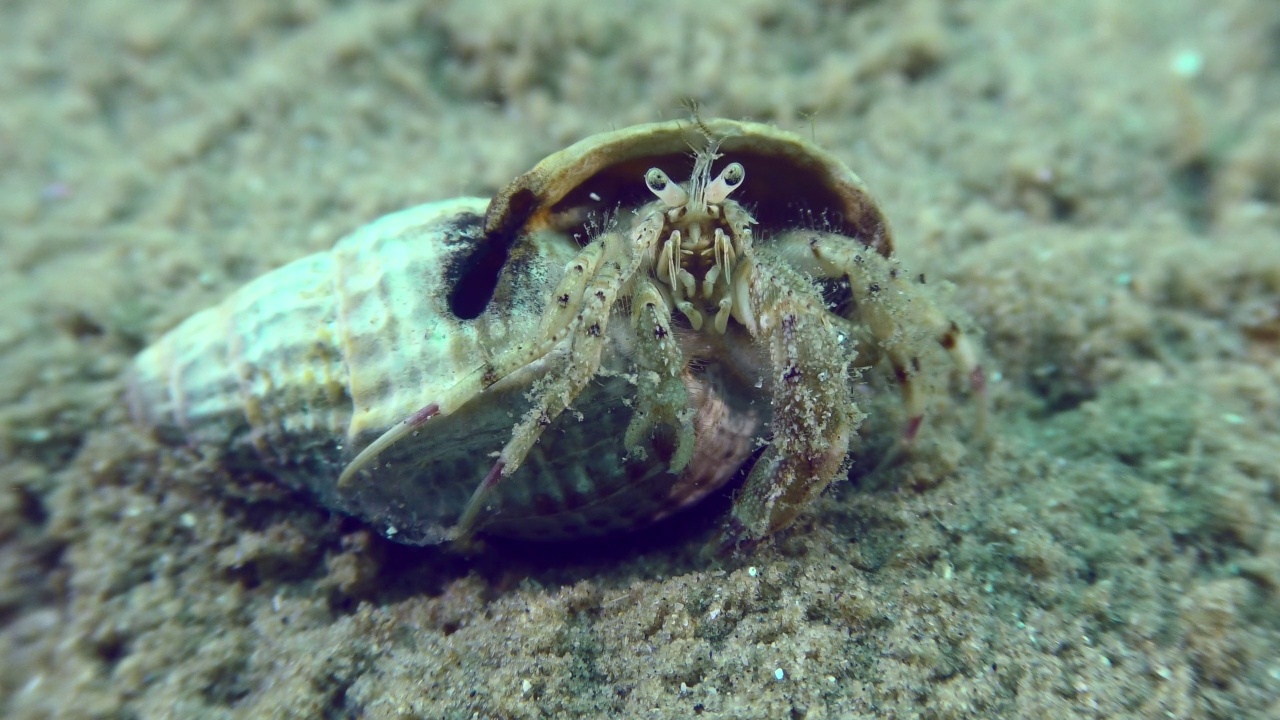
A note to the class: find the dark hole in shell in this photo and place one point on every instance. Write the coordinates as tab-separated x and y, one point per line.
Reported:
473	275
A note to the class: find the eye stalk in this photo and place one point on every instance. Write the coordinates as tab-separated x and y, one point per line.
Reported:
726	182
670	193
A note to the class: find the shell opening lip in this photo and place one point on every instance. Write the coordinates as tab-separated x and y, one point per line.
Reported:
797	185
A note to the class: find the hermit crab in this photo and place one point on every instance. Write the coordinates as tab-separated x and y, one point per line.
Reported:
610	338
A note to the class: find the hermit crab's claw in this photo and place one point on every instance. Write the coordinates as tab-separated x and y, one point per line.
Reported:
669	192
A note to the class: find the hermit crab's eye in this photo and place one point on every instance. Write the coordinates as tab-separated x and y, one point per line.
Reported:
668	192
726	182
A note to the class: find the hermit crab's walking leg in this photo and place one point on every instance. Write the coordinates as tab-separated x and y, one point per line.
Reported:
662	397
618	262
557	323
813	411
886	308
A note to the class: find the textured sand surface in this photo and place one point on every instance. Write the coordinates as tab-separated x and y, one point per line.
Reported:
1100	179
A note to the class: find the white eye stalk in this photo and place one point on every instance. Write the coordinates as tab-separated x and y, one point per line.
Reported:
670	193
726	182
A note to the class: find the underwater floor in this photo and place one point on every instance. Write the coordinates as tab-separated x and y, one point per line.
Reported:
1099	180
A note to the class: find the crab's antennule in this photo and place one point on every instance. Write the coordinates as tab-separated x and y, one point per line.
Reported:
701	176
670	193
726	182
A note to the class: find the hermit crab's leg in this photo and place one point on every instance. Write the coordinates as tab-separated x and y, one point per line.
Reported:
662	395
587	340
567	298
813	410
886	306
556	325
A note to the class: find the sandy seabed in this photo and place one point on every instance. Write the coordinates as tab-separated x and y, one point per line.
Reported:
1099	179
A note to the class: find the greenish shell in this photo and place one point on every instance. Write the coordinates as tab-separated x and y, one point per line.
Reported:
302	366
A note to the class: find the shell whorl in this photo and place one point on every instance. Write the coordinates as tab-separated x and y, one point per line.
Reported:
303	366
325	346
